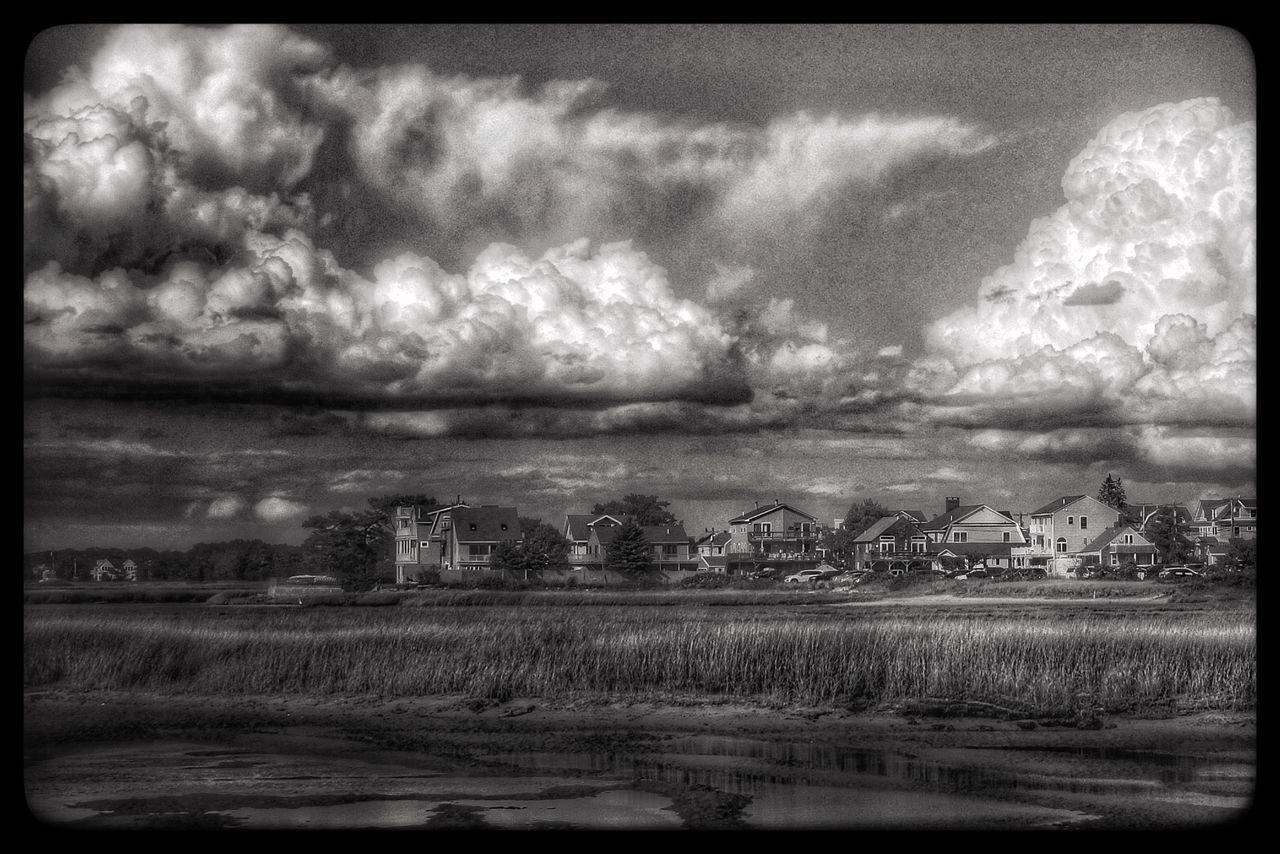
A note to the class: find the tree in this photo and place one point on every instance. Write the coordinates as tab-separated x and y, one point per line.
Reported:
1242	554
1169	532
839	545
862	515
645	509
347	546
1112	493
542	548
628	552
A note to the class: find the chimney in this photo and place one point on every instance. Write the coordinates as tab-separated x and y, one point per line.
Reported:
952	503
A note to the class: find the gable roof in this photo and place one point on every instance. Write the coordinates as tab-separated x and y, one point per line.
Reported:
719	538
915	515
960	513
576	526
1057	504
488	521
1106	537
760	511
872	534
653	534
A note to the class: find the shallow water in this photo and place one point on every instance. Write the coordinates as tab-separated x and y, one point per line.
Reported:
305	780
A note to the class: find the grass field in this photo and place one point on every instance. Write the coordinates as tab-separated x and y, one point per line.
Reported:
475	643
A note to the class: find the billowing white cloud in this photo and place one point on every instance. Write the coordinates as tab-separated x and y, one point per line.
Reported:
1137	297
552	164
276	508
225	507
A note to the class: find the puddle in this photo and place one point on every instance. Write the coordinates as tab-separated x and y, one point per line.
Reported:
679	782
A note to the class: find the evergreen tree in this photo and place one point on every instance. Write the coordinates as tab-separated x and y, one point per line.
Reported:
862	515
1112	493
1170	534
629	552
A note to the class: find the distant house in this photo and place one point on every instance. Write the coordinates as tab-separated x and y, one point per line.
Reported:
1062	529
978	532
713	544
894	542
1226	518
774	531
476	533
452	539
1118	546
577	530
130	570
104	570
669	544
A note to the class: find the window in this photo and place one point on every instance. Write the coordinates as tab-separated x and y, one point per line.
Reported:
1005	536
1115	559
959	536
1235	532
886	545
1062	545
766	527
424	544
1071	520
1128	539
1084	522
918	545
669	549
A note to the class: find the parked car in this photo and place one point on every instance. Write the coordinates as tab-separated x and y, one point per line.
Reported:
805	575
977	572
1177	573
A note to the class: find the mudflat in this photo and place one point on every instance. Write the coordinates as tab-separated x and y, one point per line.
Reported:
128	759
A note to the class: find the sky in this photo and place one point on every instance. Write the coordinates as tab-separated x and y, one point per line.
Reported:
272	271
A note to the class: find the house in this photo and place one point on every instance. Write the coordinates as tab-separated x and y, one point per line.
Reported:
1142	514
775	531
104	570
577	530
977	531
475	533
1063	528
1225	518
713	543
421	536
1117	546
669	543
130	570
894	542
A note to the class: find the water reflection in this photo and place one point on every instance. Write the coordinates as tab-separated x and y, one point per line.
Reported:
664	783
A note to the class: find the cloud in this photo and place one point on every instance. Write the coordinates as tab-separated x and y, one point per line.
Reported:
275	508
1133	303
224	508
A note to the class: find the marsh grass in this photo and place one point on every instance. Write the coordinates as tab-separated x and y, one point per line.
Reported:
1200	661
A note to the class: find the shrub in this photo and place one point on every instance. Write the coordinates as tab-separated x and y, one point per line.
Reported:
707	581
427	576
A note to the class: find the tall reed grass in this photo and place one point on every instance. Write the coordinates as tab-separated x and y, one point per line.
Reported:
1203	661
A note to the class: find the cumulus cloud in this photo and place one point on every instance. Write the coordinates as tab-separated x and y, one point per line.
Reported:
465	152
276	508
225	507
1133	303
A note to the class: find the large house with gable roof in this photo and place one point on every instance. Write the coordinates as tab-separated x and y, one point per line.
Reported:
455	540
1117	546
1064	528
892	543
776	531
977	532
